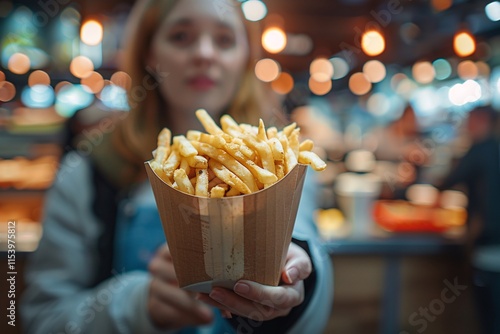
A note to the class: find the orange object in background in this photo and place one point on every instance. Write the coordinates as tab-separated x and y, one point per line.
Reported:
402	216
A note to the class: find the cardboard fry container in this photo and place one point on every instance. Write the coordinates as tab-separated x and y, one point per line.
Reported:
217	241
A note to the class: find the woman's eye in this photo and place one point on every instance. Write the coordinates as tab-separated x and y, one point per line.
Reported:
180	37
225	41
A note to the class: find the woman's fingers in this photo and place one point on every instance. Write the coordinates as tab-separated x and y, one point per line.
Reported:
170	305
298	265
257	301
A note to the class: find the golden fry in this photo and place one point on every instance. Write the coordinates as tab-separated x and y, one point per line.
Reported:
306	145
217	192
201	188
229	162
311	158
208	122
183	182
164	138
228	177
185	147
173	161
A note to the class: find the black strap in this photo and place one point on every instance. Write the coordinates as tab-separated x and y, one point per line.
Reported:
280	324
105	208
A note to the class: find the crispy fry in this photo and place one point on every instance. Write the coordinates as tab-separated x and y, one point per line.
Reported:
264	176
262	148
201	188
183	182
197	161
232	192
236	160
227	121
215	141
311	158
306	145
287	130
228	161
228	177
185	147
277	149
164	138
208	122
261	133
217	192
173	161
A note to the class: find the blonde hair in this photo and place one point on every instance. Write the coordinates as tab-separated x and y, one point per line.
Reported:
136	134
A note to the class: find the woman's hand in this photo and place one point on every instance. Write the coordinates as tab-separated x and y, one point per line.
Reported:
260	302
169	306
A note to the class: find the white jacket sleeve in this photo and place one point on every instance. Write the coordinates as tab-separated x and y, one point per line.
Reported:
59	297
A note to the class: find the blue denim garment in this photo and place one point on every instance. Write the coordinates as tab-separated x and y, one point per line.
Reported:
139	233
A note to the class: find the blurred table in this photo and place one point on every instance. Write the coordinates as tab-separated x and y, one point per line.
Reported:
393	247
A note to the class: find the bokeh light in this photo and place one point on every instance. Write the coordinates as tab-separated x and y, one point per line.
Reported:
19	63
440	5
467	69
442	68
492	11
274	40
283	83
91	32
81	67
359	84
423	72
122	79
39	77
267	69
374	70
320	88
321	69
464	44
7	91
372	43
254	10
94	82
340	67
38	96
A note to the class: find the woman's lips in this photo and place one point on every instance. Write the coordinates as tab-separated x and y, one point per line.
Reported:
201	83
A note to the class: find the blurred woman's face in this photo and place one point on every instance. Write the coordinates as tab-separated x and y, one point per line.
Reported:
199	54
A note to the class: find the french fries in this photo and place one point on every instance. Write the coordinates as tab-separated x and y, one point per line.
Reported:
231	160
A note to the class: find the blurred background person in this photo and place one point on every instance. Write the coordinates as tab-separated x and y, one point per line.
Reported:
479	172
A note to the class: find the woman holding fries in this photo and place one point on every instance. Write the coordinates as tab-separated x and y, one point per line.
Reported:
102	265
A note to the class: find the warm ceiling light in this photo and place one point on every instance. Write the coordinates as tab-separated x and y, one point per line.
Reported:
372	43
423	72
91	32
464	44
81	67
283	84
38	78
19	63
359	84
94	82
319	88
7	91
467	69
274	40
321	69
122	79
267	69
374	71
440	5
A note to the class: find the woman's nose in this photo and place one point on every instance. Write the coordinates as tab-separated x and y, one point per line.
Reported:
205	48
